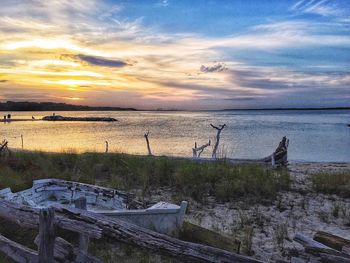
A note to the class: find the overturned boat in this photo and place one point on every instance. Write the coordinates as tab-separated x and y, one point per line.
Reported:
161	217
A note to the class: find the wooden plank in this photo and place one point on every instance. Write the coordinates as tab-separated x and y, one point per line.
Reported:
46	235
80	203
132	234
331	240
17	252
197	234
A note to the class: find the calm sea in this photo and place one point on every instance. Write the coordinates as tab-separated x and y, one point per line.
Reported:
314	135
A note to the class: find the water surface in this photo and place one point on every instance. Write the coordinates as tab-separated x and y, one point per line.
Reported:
314	135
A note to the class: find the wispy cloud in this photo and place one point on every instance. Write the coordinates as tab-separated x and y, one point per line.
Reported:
319	7
69	48
99	61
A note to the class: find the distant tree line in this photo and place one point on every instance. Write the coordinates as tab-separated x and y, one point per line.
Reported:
51	106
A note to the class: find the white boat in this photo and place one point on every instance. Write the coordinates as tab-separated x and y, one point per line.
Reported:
162	217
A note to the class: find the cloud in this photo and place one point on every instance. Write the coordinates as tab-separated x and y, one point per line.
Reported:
219	67
3	80
321	7
99	61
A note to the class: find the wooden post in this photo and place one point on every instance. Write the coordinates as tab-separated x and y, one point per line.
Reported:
46	235
106	146
22	140
219	130
83	239
147	141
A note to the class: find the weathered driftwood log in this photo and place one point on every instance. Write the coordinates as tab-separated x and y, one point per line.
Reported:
326	258
90	223
3	145
47	235
280	155
219	130
332	241
17	252
147	141
197	234
129	233
318	251
306	241
199	149
316	248
27	216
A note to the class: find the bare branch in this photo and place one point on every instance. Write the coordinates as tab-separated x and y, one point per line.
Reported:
217	139
147	141
200	149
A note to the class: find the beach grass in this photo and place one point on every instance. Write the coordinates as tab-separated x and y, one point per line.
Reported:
186	178
332	182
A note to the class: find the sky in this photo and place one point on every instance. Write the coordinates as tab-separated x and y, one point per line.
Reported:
173	54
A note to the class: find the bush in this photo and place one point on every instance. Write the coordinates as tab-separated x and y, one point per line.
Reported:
332	183
187	178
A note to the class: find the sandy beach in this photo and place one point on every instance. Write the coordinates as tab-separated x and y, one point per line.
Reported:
274	225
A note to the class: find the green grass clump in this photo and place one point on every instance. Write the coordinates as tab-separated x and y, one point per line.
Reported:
184	177
332	183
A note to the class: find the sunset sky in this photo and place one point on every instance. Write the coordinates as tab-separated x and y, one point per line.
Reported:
176	54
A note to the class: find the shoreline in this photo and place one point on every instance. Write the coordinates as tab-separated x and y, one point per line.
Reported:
202	159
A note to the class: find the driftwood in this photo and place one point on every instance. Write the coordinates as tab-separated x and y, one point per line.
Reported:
197	234
106	151
129	233
199	149
332	241
326	253
279	157
27	216
326	258
83	239
219	130
17	252
4	148
147	141
306	241
89	223
46	235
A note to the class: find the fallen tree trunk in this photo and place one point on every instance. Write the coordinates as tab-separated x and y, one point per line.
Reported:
333	241
27	216
280	155
17	252
94	225
158	243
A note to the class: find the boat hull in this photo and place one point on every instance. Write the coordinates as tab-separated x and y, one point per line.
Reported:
162	217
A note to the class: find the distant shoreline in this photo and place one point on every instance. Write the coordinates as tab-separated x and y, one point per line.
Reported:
276	109
11	106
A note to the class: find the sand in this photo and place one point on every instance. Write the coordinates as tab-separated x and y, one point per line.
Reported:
273	225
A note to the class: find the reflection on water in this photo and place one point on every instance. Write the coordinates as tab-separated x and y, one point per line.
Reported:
314	135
